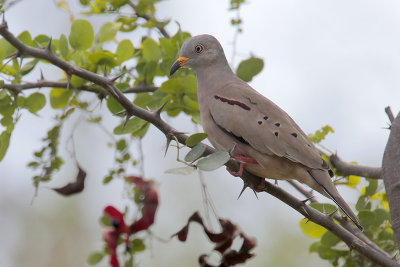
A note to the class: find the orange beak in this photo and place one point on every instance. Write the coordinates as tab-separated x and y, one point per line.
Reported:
179	63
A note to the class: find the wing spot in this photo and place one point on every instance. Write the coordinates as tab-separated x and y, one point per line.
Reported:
265	117
294	135
308	145
259	122
276	133
277	124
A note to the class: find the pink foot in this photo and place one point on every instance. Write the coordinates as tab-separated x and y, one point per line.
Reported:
243	160
261	185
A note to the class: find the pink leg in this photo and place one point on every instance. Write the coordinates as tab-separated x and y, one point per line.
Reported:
243	160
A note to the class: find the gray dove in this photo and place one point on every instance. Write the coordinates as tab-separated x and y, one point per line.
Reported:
237	118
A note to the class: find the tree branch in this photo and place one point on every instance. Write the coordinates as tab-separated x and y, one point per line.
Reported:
391	172
148	17
355	169
17	88
154	118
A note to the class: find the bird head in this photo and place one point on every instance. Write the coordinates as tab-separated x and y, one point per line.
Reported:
200	51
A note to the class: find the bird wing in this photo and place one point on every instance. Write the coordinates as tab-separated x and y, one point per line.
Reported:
253	119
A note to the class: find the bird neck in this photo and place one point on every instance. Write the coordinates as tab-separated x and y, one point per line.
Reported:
213	77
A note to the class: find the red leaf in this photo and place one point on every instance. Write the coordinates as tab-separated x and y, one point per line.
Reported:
111	235
75	187
117	219
150	204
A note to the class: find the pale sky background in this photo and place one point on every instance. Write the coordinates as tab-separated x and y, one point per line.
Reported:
326	62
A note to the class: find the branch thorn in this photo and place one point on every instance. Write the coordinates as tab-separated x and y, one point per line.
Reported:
128	116
116	78
158	111
307	199
123	112
105	70
21	56
48	47
41	75
332	213
245	185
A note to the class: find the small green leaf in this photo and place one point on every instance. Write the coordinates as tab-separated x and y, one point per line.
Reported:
1	84
327	253
95	258
133	125
121	144
28	67
113	105
312	229
35	102
4	142
329	239
107	179
63	45
320	135
137	245
196	138
59	97
366	217
82	35
249	68
314	247
181	170
151	51
213	161
372	187
108	31
363	203
125	50
195	153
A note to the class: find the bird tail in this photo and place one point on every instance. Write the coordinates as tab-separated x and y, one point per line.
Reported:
329	188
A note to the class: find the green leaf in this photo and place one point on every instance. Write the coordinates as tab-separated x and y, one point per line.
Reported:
363	203
59	97
35	102
103	57
1	84
95	258
213	161
195	153
248	68
28	67
312	229
367	218
113	105
372	187
63	45
125	50
151	50
354	180
323	207
108	31
181	170
381	216
179	85
82	35
4	142
329	239
196	138
132	126
26	38
314	247
137	245
320	135
6	49
327	253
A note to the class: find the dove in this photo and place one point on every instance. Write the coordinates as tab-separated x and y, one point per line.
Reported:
240	120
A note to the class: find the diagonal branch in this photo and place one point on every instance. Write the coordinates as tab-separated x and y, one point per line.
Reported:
355	169
154	118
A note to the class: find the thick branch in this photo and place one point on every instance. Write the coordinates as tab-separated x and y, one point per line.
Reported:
154	118
391	174
355	169
342	220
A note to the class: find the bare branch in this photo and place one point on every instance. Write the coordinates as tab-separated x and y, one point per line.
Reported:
313	215
17	88
389	112
355	169
148	17
391	173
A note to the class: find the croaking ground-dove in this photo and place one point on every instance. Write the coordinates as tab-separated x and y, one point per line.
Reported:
234	115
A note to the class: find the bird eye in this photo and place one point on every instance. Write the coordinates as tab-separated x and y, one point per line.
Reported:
198	48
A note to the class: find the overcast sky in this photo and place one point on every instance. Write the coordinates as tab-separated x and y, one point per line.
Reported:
326	62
